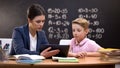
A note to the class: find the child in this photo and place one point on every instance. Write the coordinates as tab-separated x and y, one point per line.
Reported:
80	45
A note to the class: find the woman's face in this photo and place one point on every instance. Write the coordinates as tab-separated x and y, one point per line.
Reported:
37	23
78	32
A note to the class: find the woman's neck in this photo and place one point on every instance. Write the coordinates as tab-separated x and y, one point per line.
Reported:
32	31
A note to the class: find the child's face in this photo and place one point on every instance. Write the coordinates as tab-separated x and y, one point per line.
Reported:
78	32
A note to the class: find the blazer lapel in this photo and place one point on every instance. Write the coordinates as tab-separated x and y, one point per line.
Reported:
38	42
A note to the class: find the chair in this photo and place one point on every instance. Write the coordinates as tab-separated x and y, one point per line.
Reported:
117	65
6	41
64	42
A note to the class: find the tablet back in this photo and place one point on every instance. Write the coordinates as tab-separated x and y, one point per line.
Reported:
63	49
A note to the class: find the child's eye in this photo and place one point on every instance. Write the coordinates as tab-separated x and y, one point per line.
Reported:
79	30
73	30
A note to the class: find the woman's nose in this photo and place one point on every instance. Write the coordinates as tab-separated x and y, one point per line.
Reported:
41	23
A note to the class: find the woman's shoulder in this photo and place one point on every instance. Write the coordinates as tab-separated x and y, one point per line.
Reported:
21	27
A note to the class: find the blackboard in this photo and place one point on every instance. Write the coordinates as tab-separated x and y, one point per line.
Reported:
103	16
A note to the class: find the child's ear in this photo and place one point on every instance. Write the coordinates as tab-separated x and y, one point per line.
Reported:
87	31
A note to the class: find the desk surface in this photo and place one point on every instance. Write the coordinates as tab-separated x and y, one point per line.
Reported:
88	61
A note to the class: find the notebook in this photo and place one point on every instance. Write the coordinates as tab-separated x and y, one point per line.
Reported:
63	49
66	59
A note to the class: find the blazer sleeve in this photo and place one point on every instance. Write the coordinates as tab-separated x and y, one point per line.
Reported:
19	44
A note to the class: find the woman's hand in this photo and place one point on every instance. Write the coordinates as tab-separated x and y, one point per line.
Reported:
46	53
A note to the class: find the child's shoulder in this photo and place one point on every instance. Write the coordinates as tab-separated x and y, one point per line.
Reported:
92	42
89	40
72	41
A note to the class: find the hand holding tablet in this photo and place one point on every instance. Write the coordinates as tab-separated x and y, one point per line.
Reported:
54	49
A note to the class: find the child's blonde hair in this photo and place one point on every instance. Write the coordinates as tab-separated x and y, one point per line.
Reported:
82	22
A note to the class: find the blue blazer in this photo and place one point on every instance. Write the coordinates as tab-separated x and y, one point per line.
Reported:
21	41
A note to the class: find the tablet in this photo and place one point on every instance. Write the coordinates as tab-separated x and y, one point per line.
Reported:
63	49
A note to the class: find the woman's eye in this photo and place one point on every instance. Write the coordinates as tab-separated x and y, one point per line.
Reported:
40	21
43	21
37	21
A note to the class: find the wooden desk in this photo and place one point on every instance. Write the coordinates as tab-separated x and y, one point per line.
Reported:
88	62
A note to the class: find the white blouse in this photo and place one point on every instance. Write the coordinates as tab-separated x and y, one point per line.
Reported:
33	42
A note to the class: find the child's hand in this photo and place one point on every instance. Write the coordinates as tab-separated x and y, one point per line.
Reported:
81	54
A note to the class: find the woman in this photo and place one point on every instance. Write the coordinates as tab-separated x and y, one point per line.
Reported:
27	39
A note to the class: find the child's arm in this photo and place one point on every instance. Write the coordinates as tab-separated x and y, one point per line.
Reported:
70	54
93	54
77	55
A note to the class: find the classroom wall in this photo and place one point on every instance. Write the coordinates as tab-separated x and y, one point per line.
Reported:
103	16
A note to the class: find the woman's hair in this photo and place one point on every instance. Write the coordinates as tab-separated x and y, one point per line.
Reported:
35	10
82	22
